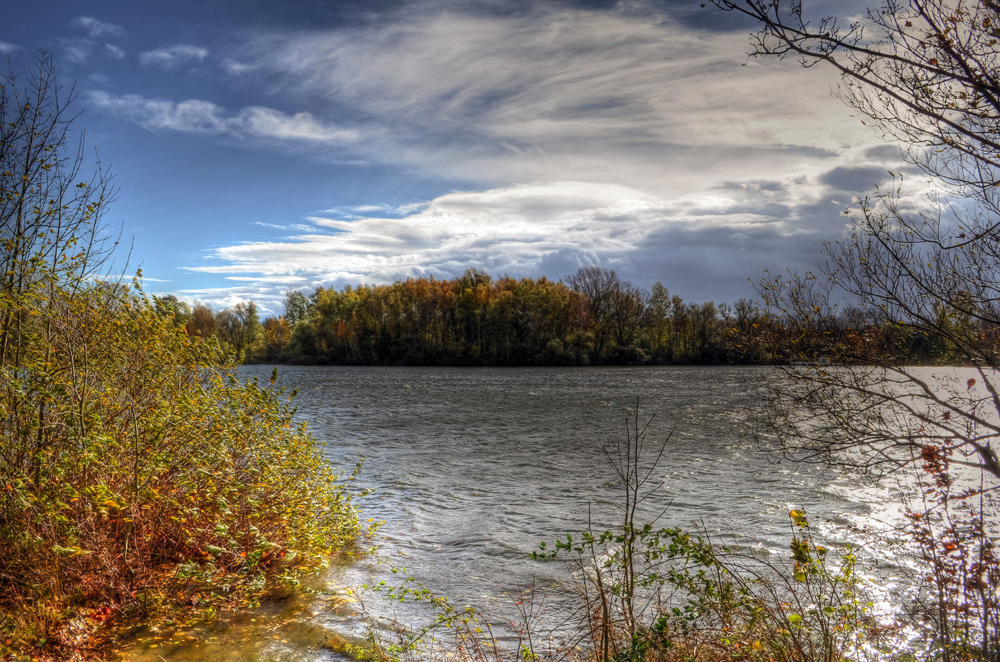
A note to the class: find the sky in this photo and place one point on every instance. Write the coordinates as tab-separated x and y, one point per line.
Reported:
262	146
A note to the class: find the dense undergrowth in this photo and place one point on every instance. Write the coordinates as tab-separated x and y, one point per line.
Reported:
138	476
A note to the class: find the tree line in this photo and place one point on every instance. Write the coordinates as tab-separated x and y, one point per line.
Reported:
593	318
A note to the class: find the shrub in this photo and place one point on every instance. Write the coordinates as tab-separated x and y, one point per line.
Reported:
136	471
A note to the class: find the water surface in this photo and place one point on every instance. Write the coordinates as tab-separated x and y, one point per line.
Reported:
471	468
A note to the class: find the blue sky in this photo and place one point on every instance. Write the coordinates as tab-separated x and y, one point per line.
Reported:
263	146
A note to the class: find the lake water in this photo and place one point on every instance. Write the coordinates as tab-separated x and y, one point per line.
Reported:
471	468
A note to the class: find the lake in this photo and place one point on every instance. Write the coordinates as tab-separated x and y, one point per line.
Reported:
471	469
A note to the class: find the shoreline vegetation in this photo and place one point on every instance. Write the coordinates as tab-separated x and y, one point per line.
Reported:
593	318
139	478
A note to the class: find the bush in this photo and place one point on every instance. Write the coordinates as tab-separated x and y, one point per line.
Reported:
137	472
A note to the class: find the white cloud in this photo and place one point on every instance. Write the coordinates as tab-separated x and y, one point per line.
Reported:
192	116
556	96
77	50
196	116
517	220
6	48
510	228
267	122
173	56
96	28
296	227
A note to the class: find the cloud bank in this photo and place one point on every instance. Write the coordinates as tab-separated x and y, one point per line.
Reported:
561	95
722	235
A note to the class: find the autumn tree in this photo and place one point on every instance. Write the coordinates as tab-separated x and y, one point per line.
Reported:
253	330
202	322
240	327
628	308
617	309
277	333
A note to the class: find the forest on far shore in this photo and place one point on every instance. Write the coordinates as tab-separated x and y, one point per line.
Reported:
593	318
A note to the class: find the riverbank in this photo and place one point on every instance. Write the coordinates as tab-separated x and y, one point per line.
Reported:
142	479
